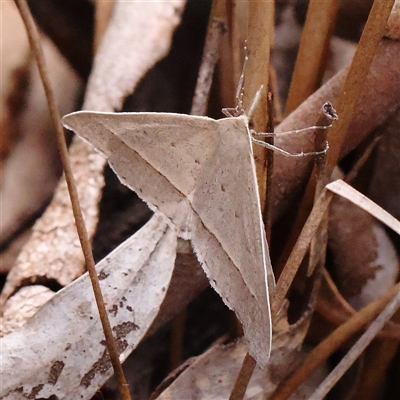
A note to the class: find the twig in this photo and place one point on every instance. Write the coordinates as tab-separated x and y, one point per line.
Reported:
259	40
310	61
216	28
267	212
243	378
299	251
35	45
310	195
318	244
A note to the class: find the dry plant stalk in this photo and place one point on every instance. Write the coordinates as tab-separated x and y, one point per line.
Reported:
34	42
259	42
299	251
313	48
216	28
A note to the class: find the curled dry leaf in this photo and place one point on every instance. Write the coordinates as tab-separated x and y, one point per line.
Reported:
139	34
384	185
31	298
60	352
365	260
14	60
32	170
344	190
53	251
378	259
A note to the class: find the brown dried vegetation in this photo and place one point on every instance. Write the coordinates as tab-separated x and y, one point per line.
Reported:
147	58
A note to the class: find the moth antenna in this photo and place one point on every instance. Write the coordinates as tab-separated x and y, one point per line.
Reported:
238	109
240	87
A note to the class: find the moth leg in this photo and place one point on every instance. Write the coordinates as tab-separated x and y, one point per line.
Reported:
286	153
288	133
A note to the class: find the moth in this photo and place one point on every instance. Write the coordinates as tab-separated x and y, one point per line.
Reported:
199	173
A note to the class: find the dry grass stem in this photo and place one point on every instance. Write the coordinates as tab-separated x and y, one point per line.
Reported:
243	378
299	251
319	242
34	42
216	28
259	40
310	62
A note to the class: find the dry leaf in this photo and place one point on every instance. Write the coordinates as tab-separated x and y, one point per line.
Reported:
32	169
22	306
393	24
212	375
61	351
14	60
365	260
344	190
138	35
384	185
53	251
200	174
54	239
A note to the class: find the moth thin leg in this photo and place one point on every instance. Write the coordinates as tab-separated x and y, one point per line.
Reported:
288	133
286	153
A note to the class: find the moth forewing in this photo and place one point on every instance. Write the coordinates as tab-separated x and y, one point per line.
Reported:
199	173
